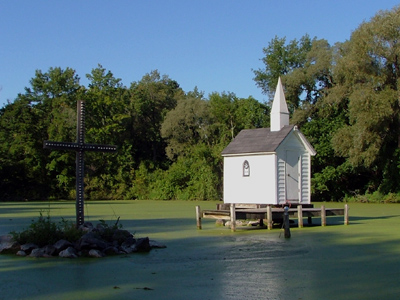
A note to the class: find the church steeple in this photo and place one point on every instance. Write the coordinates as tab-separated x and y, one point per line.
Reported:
279	111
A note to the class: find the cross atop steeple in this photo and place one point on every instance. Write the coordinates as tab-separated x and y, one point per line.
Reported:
279	111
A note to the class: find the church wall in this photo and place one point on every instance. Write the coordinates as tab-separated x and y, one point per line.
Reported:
257	188
305	177
293	143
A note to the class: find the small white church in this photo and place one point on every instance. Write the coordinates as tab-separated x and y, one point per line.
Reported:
269	165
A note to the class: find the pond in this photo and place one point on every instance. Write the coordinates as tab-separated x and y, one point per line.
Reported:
358	261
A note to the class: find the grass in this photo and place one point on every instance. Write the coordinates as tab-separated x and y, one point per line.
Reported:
358	261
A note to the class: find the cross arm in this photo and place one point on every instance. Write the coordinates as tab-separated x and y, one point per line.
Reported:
60	146
99	148
78	147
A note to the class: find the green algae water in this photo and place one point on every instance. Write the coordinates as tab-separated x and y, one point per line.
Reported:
358	261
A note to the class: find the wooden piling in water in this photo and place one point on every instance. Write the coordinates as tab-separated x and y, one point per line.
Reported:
323	215
198	216
300	215
233	217
286	222
346	214
269	217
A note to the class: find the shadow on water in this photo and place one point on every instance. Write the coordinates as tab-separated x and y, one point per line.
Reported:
333	262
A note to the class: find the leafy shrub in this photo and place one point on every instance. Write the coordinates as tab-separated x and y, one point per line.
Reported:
375	197
107	231
43	232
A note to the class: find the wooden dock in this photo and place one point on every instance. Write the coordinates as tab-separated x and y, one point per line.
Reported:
269	213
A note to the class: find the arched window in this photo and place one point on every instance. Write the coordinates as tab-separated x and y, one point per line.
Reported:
246	169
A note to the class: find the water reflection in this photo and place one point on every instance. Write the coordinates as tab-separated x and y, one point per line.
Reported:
258	266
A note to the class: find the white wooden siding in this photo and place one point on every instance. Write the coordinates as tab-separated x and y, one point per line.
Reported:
259	187
281	180
305	178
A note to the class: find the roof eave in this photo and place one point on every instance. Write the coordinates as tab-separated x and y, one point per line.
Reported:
305	142
246	154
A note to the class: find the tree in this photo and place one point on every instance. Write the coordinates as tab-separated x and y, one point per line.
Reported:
150	100
305	67
368	77
280	59
43	112
108	176
186	125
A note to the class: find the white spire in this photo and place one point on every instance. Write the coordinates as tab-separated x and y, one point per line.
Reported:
279	111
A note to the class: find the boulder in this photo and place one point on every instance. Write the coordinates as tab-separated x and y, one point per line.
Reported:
128	246
50	250
96	253
86	227
142	245
27	248
121	236
8	245
96	242
70	252
91	241
37	252
62	245
111	250
21	253
154	244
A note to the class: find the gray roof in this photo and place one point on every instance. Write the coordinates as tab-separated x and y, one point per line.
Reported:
257	140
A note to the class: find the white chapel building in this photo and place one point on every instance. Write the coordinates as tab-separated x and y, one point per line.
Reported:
269	165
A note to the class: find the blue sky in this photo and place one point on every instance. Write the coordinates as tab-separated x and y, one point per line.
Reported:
211	44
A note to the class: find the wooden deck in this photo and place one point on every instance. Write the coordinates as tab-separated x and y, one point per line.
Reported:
270	214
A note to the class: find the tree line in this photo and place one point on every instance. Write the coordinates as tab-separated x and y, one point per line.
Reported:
344	97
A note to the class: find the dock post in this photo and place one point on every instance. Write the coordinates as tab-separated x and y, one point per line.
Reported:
286	222
323	215
269	216
198	216
233	217
346	214
300	215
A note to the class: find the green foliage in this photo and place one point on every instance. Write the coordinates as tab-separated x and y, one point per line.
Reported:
186	125
375	197
107	231
68	230
44	232
191	177
281	58
344	98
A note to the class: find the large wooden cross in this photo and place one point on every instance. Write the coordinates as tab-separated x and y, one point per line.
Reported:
79	147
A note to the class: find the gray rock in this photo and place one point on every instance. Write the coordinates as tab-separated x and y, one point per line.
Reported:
50	250
38	252
70	252
91	241
127	249
112	250
86	227
129	245
96	253
101	226
21	253
27	248
154	244
8	245
129	242
121	236
142	245
62	245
